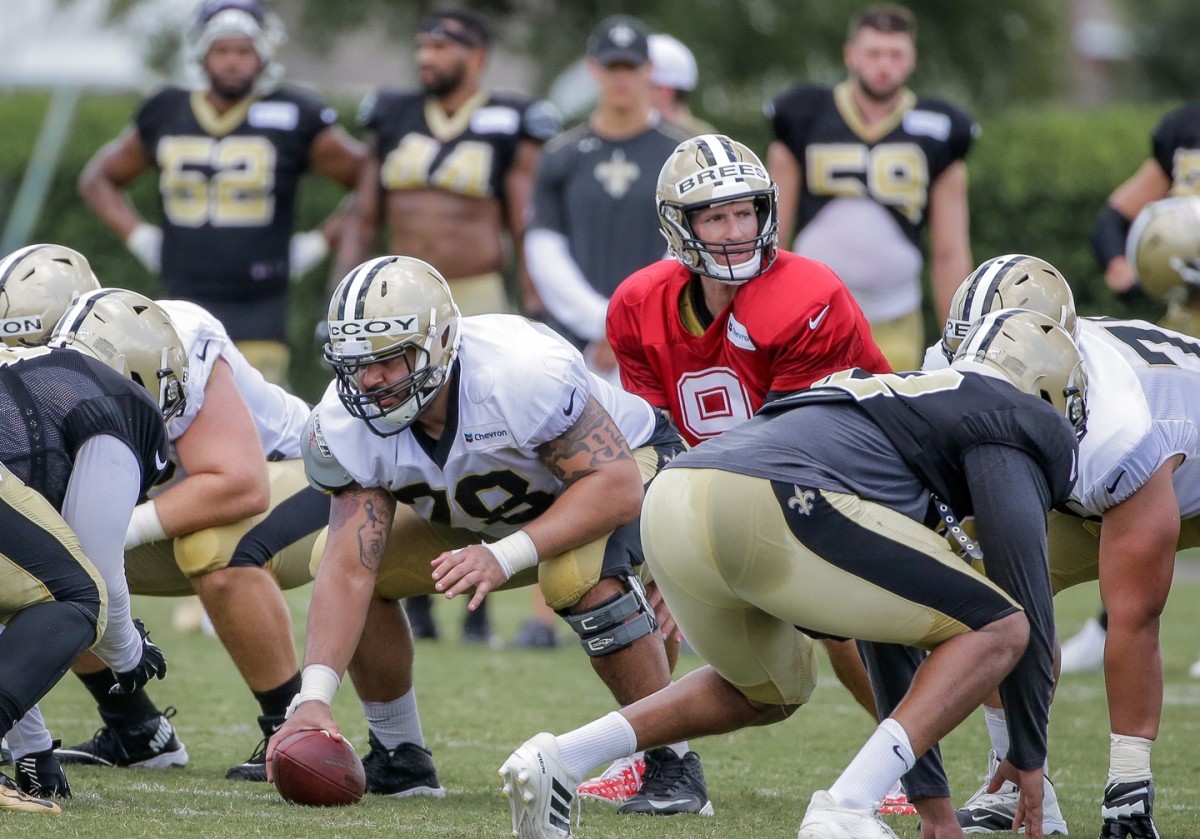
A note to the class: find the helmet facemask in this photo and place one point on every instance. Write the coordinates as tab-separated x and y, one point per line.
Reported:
709	171
371	321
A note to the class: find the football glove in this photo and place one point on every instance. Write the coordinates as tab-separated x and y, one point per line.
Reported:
152	666
145	242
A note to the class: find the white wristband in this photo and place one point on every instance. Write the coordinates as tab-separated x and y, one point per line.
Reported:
318	682
515	552
144	526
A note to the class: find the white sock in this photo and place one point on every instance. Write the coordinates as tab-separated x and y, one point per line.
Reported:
29	734
680	748
997	729
597	743
878	765
1128	758
395	722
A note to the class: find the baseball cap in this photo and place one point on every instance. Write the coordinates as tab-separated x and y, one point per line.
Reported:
619	39
674	64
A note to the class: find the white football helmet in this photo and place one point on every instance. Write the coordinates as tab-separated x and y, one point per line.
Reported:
388	308
1034	353
1013	281
216	19
132	335
1163	246
37	283
705	171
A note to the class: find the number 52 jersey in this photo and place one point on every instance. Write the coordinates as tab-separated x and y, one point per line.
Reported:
1143	407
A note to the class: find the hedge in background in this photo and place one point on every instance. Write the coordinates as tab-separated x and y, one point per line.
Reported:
1038	179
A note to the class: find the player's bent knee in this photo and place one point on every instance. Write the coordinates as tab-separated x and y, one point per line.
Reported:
616	623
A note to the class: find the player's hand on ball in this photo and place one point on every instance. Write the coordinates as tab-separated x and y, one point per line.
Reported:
307	715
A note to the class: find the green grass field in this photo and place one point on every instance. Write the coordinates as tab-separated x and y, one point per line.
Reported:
477	705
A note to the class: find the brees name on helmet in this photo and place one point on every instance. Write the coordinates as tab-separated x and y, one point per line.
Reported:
132	335
1033	352
388	309
37	283
1012	281
708	171
1163	247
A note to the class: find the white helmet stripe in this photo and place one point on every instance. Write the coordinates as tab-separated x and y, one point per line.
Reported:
985	287
352	302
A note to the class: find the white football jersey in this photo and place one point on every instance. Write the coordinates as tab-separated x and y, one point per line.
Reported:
1143	402
278	415
519	385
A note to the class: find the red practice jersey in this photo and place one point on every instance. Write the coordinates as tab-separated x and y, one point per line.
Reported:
784	330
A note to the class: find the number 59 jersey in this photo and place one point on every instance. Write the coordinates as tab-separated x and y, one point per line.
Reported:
514	386
1143	406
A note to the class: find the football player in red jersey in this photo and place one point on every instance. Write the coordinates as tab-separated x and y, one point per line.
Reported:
732	320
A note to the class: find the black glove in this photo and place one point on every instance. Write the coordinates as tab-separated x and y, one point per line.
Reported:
153	665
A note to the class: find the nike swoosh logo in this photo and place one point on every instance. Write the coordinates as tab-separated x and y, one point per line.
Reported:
203	354
662	805
159	463
1111	488
896	748
813	323
570	404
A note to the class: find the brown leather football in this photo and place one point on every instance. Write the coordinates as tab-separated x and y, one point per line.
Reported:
312	768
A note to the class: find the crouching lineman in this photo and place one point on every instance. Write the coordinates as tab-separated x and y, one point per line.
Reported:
230	525
1139	477
817	515
511	463
66	494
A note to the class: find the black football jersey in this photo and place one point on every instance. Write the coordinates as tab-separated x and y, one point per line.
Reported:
227	187
469	153
52	401
1176	147
893	162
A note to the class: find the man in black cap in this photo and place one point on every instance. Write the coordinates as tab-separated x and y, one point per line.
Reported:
594	220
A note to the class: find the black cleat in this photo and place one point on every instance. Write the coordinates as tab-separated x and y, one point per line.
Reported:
671	785
254	768
39	774
1128	811
151	744
401	772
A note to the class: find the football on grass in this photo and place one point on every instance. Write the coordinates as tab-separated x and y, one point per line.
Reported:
312	768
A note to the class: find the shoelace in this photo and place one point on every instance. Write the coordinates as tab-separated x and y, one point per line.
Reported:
669	774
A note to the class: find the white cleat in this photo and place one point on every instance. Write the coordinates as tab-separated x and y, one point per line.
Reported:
1084	650
826	820
539	790
993	812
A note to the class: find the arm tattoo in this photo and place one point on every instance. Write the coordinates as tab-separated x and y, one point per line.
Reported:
592	441
370	512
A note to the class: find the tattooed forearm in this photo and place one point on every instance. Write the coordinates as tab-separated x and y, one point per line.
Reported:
593	440
368	513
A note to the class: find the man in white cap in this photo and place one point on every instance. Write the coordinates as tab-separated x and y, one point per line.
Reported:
673	75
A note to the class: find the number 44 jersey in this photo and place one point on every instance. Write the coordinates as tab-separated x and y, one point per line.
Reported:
514	386
1143	404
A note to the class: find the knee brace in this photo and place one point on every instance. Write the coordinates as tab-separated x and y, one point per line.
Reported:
605	629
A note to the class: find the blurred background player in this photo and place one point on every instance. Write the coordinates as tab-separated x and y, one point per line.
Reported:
449	173
864	168
728	322
593	203
673	76
229	160
101	443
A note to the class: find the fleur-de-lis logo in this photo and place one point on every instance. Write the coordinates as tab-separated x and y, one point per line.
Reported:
802	500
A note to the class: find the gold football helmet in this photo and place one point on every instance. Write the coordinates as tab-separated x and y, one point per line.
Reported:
388	308
705	171
1034	353
1163	246
132	335
37	283
1013	281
